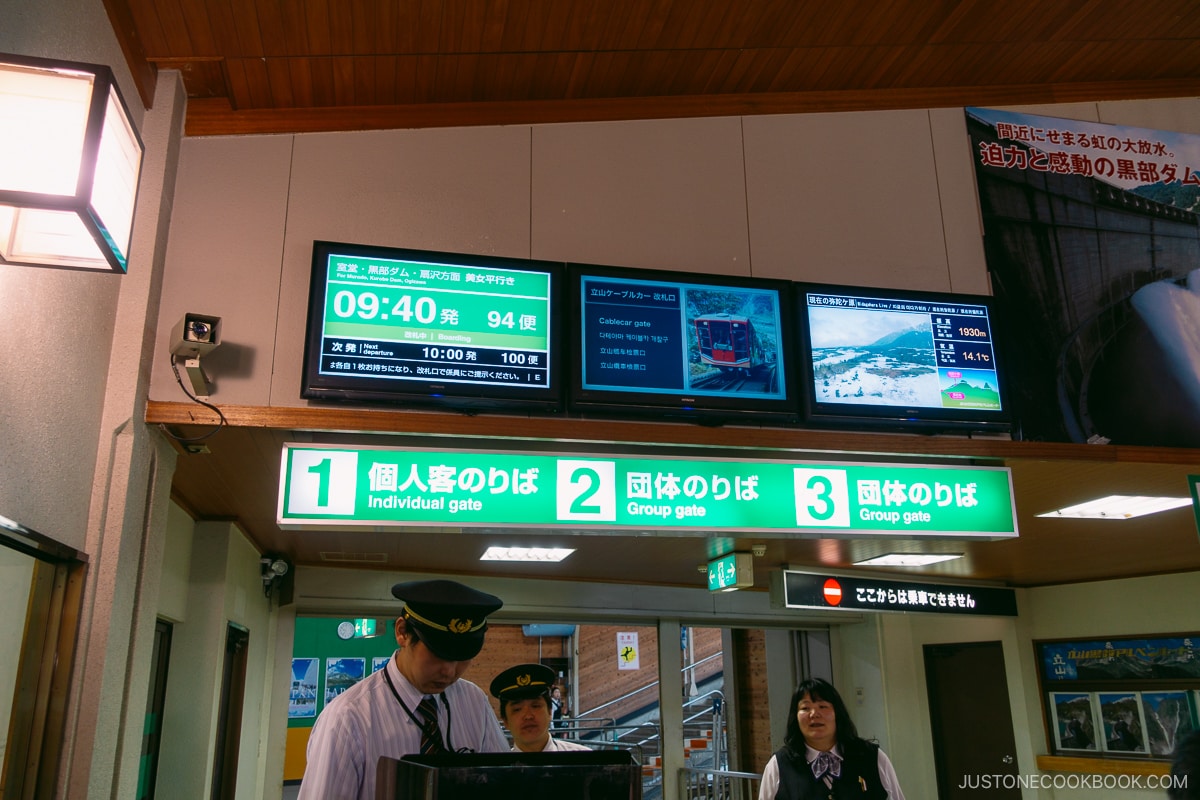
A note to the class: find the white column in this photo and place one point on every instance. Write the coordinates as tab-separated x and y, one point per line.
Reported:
670	704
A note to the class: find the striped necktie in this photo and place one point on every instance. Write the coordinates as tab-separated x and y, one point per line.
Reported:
431	734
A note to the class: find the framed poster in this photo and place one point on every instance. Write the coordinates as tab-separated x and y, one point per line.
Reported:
302	700
1169	717
341	674
1124	726
1144	695
1074	715
378	663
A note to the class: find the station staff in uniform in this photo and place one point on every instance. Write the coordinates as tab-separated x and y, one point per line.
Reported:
417	703
823	757
524	695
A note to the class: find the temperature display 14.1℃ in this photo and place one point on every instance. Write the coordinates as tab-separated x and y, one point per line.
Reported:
902	352
419	321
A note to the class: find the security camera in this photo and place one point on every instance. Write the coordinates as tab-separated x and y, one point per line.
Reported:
192	337
195	335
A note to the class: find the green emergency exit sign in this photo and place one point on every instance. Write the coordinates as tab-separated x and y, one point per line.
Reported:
334	486
733	571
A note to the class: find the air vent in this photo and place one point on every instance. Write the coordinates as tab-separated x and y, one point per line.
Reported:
355	558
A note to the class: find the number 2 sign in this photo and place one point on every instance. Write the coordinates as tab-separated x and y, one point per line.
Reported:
587	490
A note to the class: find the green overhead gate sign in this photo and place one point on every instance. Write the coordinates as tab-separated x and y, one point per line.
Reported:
335	486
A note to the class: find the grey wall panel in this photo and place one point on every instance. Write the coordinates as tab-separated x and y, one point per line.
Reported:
846	198
666	194
223	259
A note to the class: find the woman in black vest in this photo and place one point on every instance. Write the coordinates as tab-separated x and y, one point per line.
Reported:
822	755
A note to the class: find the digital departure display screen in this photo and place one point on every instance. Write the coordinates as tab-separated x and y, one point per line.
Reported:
697	345
904	357
387	324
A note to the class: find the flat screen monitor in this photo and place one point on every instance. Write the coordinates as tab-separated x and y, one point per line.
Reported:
389	325
910	361
680	345
574	774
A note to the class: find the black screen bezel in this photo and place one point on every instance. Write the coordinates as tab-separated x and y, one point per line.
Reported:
893	418
704	409
472	398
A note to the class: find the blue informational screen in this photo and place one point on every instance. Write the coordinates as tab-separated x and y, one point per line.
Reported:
909	359
695	344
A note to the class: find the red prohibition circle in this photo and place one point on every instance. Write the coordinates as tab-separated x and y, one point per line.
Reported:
833	592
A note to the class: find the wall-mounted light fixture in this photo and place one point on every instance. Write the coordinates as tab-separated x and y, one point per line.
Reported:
70	160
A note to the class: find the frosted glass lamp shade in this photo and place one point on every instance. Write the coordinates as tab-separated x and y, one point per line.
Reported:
70	160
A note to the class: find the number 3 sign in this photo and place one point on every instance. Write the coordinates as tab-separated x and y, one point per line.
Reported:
822	499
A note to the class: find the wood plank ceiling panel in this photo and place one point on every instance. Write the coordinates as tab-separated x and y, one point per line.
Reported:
379	63
152	22
364	21
277	30
245	29
201	39
318	38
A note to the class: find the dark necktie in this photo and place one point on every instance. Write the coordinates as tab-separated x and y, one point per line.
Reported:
431	734
826	763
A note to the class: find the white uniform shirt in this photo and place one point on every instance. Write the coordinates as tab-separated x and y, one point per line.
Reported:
559	746
769	785
367	721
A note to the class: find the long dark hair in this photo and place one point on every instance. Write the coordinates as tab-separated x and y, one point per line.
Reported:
818	689
1187	767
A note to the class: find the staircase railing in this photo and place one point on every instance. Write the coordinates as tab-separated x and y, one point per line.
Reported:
717	784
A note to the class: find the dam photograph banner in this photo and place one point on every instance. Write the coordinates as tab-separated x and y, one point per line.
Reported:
1092	241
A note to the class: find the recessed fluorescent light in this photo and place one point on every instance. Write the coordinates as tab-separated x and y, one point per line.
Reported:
1119	506
907	559
546	554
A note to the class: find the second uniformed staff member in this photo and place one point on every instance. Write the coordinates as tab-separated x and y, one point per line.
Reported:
823	755
524	695
417	704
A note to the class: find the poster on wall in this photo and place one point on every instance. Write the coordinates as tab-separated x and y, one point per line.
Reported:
1169	719
1124	726
341	674
1121	659
378	663
302	701
627	651
1074	720
1092	242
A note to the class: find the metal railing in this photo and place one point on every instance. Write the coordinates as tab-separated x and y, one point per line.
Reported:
703	717
716	784
653	685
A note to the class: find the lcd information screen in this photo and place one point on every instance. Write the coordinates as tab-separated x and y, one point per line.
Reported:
681	341
393	322
913	356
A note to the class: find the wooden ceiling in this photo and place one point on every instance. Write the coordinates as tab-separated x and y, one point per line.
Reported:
260	66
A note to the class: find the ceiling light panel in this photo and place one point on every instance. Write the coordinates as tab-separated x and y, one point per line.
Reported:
907	559
543	554
1119	506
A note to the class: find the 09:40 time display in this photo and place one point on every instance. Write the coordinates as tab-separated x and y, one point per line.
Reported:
366	305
